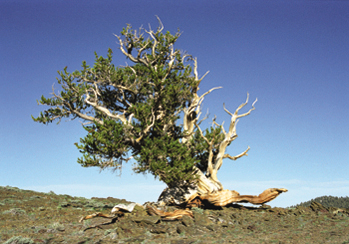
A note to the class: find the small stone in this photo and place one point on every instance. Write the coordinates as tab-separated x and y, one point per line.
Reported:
251	227
60	228
265	206
211	227
158	230
180	229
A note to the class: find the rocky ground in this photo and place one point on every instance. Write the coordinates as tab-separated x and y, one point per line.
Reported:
34	217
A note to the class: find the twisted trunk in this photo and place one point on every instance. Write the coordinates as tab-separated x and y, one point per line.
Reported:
211	192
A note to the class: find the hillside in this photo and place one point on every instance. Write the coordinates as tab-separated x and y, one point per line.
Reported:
327	201
28	217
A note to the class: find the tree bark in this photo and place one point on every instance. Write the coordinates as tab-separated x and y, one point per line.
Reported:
211	193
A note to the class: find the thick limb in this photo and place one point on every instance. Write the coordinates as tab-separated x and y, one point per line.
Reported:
225	197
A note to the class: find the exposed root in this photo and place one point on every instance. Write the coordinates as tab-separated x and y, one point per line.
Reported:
117	211
98	214
114	217
177	214
217	199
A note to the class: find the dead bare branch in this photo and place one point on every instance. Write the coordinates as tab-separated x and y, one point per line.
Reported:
229	137
244	153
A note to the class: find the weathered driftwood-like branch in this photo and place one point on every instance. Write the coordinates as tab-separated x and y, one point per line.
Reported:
237	156
97	214
177	214
117	211
152	35
225	197
220	199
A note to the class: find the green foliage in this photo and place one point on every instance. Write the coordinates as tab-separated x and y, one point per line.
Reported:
134	110
56	226
198	210
167	158
19	240
11	188
327	201
103	143
15	211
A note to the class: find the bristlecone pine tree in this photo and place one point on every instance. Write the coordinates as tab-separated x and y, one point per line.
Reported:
133	112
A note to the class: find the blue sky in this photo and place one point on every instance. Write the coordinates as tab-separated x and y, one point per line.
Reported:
292	55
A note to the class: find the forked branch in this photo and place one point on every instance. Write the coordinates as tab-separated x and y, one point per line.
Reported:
228	138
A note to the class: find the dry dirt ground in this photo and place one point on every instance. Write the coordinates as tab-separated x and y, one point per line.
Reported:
34	217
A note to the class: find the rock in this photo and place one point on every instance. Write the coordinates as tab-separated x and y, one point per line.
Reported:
251	227
317	207
282	212
201	219
158	229
126	224
60	228
139	211
42	231
180	229
187	221
211	227
147	219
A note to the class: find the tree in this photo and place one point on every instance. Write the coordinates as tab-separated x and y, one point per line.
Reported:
134	112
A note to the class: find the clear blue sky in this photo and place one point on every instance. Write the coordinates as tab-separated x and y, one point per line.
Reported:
292	55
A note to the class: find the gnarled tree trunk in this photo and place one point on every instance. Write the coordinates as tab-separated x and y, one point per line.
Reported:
208	188
213	194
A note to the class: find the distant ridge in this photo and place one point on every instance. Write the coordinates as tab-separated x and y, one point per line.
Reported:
327	201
